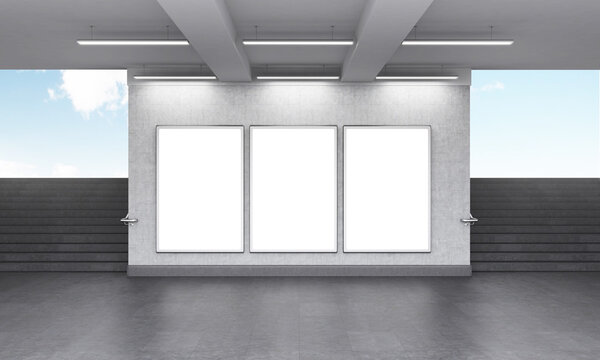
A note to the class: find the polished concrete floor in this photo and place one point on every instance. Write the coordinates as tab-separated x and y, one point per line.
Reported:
488	316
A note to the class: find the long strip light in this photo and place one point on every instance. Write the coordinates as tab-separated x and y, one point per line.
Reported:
432	42
419	77
317	42
115	42
299	77
174	77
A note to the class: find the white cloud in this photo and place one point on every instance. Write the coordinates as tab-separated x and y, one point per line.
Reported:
13	169
493	86
52	94
93	90
62	170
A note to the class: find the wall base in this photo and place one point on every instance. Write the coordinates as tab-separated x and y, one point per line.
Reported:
298	270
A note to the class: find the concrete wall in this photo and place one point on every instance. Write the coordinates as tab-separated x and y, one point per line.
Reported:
444	108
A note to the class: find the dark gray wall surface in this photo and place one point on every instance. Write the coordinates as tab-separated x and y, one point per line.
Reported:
63	225
535	224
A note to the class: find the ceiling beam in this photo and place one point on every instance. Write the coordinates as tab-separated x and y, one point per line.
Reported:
382	27
208	27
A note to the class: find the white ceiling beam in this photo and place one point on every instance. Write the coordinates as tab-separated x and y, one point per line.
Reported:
208	27
382	27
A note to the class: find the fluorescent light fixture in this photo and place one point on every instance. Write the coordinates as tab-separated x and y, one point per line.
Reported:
420	77
133	42
342	42
174	77
457	42
275	77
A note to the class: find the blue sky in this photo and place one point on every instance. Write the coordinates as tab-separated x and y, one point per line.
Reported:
523	123
63	123
535	124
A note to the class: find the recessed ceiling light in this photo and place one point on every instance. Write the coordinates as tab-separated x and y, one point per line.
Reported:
115	42
174	77
317	42
417	77
276	77
457	42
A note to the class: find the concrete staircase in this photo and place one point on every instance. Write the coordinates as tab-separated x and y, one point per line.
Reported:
63	225
535	224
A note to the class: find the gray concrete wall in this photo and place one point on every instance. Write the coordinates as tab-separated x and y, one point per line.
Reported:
444	108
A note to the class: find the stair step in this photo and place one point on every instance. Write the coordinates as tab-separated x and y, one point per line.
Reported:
537	256
63	181
65	199
36	248
534	229
516	214
535	238
45	184
487	189
70	229
513	205
537	221
63	238
64	266
534	199
35	193
535	180
535	266
62	257
516	190
490	248
25	221
87	213
523	189
53	205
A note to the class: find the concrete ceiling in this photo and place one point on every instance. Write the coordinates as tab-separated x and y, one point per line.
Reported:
296	19
548	34
383	26
41	34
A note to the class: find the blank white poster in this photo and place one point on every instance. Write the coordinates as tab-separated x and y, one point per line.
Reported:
386	189
293	189
200	188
